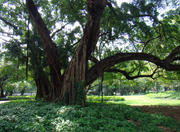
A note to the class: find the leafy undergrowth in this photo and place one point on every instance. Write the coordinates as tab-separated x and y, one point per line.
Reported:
167	94
105	98
36	116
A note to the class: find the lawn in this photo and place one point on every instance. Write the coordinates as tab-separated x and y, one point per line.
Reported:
167	94
146	100
150	99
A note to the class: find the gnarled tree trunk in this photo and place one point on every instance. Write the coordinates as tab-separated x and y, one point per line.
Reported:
76	74
50	50
70	88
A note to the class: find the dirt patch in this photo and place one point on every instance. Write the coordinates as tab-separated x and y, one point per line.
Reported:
171	111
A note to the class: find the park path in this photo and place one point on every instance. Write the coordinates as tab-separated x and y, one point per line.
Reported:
1	102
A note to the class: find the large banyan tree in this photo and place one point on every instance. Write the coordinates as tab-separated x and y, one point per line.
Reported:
72	66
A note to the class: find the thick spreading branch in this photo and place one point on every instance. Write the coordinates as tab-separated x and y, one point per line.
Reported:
172	56
48	44
108	62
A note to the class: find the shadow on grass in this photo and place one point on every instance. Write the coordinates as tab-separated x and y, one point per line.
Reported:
34	116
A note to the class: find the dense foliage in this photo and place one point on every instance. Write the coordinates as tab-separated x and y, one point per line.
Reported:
19	116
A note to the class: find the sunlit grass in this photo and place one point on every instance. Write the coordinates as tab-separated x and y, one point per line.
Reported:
145	100
135	100
167	94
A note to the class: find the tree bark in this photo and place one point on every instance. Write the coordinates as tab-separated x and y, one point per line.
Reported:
39	75
72	89
42	84
50	49
76	75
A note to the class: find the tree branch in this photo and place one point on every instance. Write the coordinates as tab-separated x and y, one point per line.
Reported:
54	33
105	64
8	23
48	44
148	41
127	74
172	55
111	8
93	59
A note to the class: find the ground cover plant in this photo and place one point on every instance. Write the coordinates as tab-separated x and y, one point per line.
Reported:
37	116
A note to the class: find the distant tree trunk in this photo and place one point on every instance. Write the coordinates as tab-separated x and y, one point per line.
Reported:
11	93
101	88
2	92
17	75
165	88
23	91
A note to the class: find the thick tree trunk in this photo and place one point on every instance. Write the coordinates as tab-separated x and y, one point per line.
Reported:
72	89
75	77
50	50
40	77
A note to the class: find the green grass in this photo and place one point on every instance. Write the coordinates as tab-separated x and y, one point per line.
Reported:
168	95
105	98
146	100
35	116
17	97
135	100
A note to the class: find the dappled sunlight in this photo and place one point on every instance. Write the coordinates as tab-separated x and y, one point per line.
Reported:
33	116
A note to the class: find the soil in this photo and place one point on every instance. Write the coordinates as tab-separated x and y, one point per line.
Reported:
170	111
